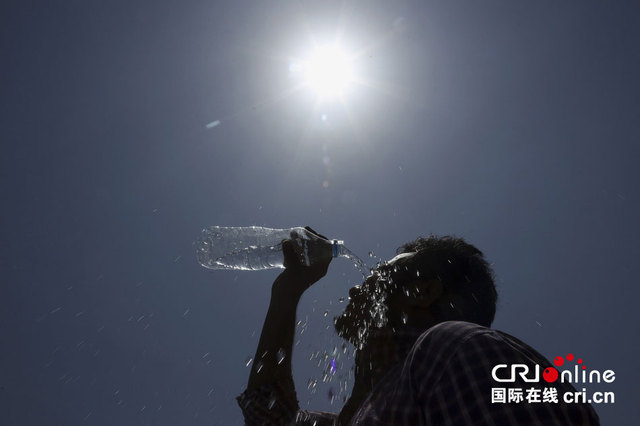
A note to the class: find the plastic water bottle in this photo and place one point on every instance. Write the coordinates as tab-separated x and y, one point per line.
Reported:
253	248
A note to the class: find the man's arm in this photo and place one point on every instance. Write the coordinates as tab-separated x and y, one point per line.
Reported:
272	361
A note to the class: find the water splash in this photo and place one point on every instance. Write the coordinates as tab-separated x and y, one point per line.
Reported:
357	262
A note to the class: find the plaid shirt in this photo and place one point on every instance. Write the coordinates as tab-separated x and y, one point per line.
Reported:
444	378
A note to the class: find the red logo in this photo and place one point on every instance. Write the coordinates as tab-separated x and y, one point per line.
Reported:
550	374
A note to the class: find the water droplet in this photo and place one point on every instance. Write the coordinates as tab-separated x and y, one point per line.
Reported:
404	317
259	366
281	355
326	313
341	300
248	361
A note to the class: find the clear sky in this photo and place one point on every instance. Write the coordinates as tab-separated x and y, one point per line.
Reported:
127	127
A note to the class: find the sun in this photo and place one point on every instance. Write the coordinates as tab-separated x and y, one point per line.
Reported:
328	71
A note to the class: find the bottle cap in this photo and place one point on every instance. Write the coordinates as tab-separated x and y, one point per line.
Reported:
336	247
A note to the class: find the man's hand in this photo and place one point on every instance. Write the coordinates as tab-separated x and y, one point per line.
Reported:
297	277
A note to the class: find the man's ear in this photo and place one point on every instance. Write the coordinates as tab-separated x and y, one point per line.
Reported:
430	292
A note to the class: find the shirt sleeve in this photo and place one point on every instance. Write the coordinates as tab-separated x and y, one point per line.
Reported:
273	404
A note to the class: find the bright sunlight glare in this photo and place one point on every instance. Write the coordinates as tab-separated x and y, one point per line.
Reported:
328	71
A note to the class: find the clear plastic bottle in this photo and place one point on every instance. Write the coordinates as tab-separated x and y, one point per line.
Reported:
253	248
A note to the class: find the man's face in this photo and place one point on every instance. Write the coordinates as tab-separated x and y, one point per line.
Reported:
380	297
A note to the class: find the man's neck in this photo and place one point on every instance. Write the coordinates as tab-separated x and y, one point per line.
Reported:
384	349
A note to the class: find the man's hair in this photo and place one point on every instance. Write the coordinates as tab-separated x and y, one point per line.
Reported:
465	275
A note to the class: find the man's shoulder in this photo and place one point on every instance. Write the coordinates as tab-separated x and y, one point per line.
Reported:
461	340
456	327
453	331
456	331
455	359
445	339
436	346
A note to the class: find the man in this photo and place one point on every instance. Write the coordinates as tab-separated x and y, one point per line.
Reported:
424	354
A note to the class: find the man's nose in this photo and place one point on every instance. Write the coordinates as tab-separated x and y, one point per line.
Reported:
356	290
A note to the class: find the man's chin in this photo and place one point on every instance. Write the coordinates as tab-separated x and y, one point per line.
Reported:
350	330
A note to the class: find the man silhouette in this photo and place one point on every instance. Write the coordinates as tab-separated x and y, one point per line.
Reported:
424	352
